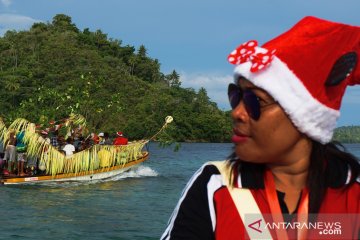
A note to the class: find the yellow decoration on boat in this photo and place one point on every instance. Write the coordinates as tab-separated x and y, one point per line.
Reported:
104	157
94	159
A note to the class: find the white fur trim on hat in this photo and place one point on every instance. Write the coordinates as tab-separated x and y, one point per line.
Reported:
309	115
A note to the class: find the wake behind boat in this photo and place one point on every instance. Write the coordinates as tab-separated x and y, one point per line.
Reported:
95	163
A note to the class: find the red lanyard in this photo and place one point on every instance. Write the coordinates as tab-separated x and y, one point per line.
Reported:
276	213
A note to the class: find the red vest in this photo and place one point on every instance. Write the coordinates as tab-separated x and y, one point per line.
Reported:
336	201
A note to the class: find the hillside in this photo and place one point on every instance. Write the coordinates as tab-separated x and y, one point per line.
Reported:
55	69
347	134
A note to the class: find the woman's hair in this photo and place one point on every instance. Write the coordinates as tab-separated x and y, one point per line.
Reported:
330	165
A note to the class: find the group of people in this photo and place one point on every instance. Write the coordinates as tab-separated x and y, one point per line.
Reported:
104	139
77	142
15	162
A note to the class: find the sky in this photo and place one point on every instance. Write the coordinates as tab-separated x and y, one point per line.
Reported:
192	37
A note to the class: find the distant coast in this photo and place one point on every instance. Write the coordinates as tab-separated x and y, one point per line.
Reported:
347	134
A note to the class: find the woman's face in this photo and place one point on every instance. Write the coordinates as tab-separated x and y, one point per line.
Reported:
270	139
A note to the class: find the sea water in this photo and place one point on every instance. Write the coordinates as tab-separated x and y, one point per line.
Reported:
135	205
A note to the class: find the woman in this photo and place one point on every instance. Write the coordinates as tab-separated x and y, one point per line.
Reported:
285	179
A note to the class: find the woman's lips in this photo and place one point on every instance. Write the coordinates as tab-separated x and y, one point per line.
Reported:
238	137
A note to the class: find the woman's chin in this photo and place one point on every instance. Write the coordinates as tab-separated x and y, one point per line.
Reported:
248	156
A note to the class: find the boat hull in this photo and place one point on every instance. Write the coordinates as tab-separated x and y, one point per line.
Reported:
99	174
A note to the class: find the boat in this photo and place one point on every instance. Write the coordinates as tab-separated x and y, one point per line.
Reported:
97	162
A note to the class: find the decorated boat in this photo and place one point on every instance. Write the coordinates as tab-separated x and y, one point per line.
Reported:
97	162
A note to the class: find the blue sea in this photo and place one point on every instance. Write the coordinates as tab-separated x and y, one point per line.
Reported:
136	205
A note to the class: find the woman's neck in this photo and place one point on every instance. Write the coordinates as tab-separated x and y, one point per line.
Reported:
291	179
290	170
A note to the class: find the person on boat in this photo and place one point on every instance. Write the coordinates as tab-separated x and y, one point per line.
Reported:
79	143
120	139
21	152
78	138
106	140
54	138
10	152
61	142
285	169
69	148
94	139
85	144
101	138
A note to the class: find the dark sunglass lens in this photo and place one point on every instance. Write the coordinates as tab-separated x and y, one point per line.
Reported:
234	95
252	104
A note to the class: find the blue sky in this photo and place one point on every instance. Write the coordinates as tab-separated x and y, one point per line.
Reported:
193	37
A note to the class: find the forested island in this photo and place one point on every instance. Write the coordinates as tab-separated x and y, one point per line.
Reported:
54	69
347	134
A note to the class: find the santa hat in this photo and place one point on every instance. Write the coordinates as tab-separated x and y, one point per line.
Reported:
120	134
306	70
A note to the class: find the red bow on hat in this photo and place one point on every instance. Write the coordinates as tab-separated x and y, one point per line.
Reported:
119	133
247	52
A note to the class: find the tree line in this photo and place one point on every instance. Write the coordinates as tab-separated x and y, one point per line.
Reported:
54	69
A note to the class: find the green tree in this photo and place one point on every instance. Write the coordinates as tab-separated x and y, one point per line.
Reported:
173	79
62	22
142	52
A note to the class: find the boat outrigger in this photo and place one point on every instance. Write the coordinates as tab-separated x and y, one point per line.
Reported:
95	163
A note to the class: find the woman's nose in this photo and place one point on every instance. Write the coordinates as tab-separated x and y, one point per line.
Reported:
239	114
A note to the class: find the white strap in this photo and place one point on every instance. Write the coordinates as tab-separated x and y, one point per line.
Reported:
225	171
250	213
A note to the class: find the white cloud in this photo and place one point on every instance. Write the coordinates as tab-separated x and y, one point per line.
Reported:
215	85
6	3
15	22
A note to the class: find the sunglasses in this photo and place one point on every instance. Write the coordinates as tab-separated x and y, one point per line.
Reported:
251	101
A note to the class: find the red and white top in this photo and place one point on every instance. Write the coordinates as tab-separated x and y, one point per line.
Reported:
207	211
